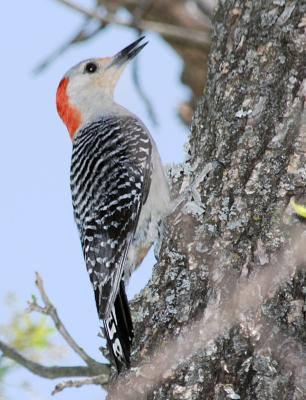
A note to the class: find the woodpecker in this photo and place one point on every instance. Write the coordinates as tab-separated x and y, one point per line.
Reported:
119	191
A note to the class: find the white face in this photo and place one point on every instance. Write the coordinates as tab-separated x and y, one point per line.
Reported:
92	82
87	89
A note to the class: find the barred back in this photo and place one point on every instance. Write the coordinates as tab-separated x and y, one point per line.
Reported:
110	180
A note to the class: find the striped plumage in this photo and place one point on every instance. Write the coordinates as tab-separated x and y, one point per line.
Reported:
119	191
110	179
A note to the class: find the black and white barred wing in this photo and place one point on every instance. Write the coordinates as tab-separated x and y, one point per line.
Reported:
107	237
110	180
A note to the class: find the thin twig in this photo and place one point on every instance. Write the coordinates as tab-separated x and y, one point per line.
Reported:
95	380
50	310
199	37
80	36
147	103
206	7
142	8
139	13
54	372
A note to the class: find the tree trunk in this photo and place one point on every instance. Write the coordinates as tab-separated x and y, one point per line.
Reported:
225	308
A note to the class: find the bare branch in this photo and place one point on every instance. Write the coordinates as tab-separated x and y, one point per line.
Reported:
80	36
147	103
142	8
61	50
93	368
95	380
50	310
139	13
54	372
206	7
176	32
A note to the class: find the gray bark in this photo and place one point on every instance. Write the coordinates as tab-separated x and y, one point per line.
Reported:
235	223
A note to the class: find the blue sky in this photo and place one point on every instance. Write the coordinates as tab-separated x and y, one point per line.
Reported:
37	231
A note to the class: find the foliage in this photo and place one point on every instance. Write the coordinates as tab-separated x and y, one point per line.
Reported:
298	209
26	334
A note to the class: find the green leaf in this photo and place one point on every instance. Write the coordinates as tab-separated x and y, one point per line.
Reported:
28	334
298	209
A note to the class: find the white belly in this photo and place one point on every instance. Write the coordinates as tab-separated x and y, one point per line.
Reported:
151	216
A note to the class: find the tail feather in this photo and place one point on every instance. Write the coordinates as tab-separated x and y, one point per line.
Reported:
119	330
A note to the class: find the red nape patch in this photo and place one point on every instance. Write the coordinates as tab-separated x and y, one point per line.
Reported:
69	114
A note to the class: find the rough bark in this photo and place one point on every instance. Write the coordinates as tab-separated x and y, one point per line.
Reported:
235	221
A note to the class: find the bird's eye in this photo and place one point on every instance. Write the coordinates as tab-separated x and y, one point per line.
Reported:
91	67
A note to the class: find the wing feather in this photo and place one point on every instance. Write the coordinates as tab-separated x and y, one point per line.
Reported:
108	229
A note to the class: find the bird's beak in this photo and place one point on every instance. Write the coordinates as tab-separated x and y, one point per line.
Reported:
127	54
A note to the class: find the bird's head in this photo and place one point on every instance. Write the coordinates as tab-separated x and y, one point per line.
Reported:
90	85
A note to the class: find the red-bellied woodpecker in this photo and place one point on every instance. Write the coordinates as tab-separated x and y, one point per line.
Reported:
119	191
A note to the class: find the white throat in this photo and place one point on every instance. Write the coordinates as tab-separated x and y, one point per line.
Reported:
94	104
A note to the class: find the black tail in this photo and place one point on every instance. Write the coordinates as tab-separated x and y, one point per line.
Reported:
119	330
